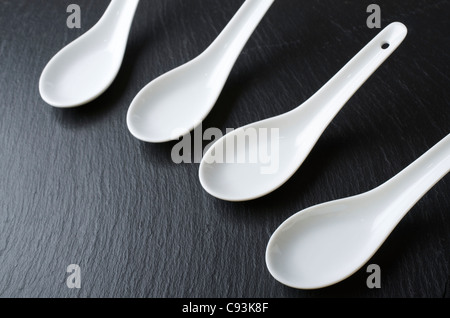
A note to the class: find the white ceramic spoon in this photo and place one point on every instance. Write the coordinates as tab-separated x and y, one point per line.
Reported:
291	136
327	243
175	103
85	68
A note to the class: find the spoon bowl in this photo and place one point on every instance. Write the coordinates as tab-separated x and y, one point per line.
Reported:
163	110
322	245
66	84
86	67
327	243
232	178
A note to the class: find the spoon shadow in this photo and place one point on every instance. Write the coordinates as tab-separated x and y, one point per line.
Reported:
158	153
307	178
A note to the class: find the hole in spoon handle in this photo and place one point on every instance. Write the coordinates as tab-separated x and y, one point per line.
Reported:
392	36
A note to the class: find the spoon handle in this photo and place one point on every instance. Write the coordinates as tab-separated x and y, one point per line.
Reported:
116	21
328	101
410	185
121	14
230	42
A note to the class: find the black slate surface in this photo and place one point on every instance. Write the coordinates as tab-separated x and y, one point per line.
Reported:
77	188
